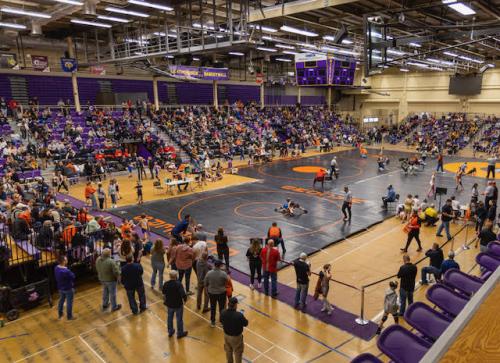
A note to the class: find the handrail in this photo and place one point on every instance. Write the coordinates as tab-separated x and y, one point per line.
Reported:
361	320
331	279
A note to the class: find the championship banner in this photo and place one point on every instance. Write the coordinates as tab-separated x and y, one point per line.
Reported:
69	64
215	74
99	70
40	63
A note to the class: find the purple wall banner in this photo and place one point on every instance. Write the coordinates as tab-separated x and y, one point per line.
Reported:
215	74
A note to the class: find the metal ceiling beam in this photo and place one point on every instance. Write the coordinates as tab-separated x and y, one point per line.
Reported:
291	8
186	50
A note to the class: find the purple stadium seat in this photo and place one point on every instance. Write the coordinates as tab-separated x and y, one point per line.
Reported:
366	358
462	282
426	320
487	261
485	275
494	249
402	346
448	300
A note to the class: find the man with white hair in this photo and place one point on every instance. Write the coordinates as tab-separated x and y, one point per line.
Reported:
108	274
302	272
175	297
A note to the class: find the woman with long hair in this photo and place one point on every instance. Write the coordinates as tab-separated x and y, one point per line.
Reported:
254	262
157	263
126	250
325	288
172	246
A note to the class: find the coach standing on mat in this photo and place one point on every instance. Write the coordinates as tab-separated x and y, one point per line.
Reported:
347	204
233	323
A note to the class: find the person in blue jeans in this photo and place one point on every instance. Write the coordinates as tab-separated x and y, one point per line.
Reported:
131	278
108	273
407	274
446	217
174	298
65	280
302	272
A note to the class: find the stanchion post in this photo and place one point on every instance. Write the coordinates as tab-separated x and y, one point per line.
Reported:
361	320
465	247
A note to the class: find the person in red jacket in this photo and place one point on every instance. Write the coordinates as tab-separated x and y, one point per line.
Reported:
270	257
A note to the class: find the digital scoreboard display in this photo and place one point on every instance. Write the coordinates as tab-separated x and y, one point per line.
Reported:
317	70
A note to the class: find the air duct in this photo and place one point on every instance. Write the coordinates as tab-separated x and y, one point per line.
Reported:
89	7
36	28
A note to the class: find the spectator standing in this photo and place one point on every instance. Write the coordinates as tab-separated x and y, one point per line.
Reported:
326	275
390	305
407	274
131	278
157	263
446	217
65	280
215	282
255	263
270	257
233	323
221	241
174	299
202	268
184	257
108	274
302	273
486	236
436	258
199	247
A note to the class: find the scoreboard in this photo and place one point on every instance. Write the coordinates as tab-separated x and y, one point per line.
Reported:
318	70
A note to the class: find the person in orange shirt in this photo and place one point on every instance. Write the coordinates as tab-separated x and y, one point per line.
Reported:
126	229
26	215
68	233
320	177
413	228
274	233
90	195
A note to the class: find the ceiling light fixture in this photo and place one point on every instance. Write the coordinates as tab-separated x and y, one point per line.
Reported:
23	12
70	2
151	5
347	41
12	26
404	69
290	52
462	8
415	45
239	54
264	49
267	37
307	45
284	46
291	29
112	18
196	58
283	60
91	23
395	52
450	54
266	29
127	12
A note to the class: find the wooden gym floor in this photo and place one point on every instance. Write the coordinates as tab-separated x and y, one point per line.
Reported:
277	332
